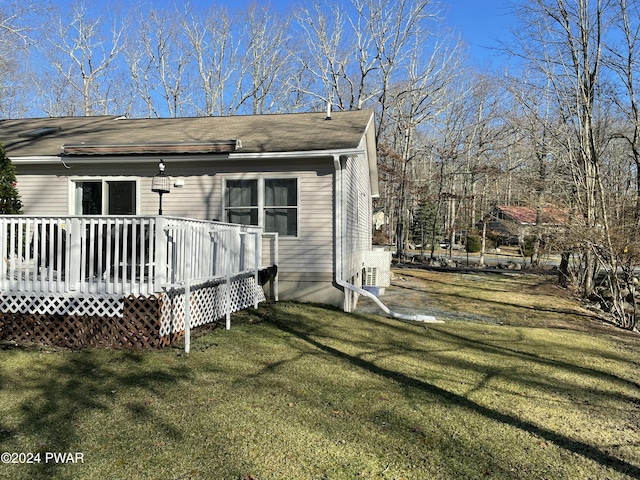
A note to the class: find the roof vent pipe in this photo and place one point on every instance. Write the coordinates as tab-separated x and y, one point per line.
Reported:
328	117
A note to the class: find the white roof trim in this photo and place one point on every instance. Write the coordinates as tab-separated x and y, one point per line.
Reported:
183	158
297	154
35	160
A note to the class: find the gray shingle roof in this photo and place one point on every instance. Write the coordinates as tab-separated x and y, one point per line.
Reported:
257	133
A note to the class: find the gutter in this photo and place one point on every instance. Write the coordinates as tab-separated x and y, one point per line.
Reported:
339	267
183	148
297	154
92	159
35	160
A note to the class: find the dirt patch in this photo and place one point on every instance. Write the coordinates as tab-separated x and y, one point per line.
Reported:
411	295
517	299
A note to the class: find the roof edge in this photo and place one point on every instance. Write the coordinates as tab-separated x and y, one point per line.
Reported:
204	157
214	146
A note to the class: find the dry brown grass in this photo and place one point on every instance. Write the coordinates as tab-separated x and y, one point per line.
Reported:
507	298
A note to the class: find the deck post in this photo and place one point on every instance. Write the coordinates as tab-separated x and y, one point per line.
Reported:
187	291
228	309
275	262
4	280
256	264
74	254
160	254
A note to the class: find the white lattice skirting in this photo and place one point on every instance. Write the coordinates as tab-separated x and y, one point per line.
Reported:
208	303
46	304
377	268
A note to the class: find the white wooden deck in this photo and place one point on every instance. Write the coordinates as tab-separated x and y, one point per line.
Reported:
81	265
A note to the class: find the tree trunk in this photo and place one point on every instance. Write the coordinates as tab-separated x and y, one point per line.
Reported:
484	243
564	276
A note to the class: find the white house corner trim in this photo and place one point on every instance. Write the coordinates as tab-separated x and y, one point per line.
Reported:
351	292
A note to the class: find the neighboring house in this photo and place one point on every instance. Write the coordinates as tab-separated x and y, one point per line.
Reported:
308	177
380	218
514	223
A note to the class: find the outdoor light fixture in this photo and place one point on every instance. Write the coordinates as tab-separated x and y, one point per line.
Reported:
161	184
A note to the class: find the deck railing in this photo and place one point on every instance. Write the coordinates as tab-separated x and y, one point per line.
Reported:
120	255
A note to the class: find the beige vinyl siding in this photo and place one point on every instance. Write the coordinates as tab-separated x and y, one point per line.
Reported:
357	201
43	194
194	200
312	250
46	190
191	201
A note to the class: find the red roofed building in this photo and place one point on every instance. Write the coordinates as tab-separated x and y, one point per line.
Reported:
514	223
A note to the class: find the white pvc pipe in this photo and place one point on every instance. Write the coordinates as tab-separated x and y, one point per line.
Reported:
338	256
385	309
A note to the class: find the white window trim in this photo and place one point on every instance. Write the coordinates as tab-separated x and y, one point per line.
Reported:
261	205
88	178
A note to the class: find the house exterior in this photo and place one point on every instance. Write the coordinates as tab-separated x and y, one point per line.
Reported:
380	218
514	223
308	177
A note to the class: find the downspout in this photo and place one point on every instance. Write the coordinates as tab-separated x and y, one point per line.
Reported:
339	267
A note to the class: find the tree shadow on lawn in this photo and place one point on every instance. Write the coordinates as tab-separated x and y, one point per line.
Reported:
59	394
564	319
291	326
492	347
485	280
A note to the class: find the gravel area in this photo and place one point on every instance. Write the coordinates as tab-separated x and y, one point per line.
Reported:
410	296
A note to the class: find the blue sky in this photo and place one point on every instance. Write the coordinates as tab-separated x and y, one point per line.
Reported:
481	23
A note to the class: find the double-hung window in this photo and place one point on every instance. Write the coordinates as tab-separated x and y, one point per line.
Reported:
270	202
242	201
281	206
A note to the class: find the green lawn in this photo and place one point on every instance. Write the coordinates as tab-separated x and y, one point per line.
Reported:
304	392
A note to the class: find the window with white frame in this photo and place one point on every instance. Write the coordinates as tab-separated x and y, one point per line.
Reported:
270	202
105	197
241	200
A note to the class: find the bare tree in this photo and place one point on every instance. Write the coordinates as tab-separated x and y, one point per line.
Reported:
532	121
446	137
332	55
216	54
262	86
564	41
18	22
354	60
159	59
81	53
395	29
623	59
416	100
